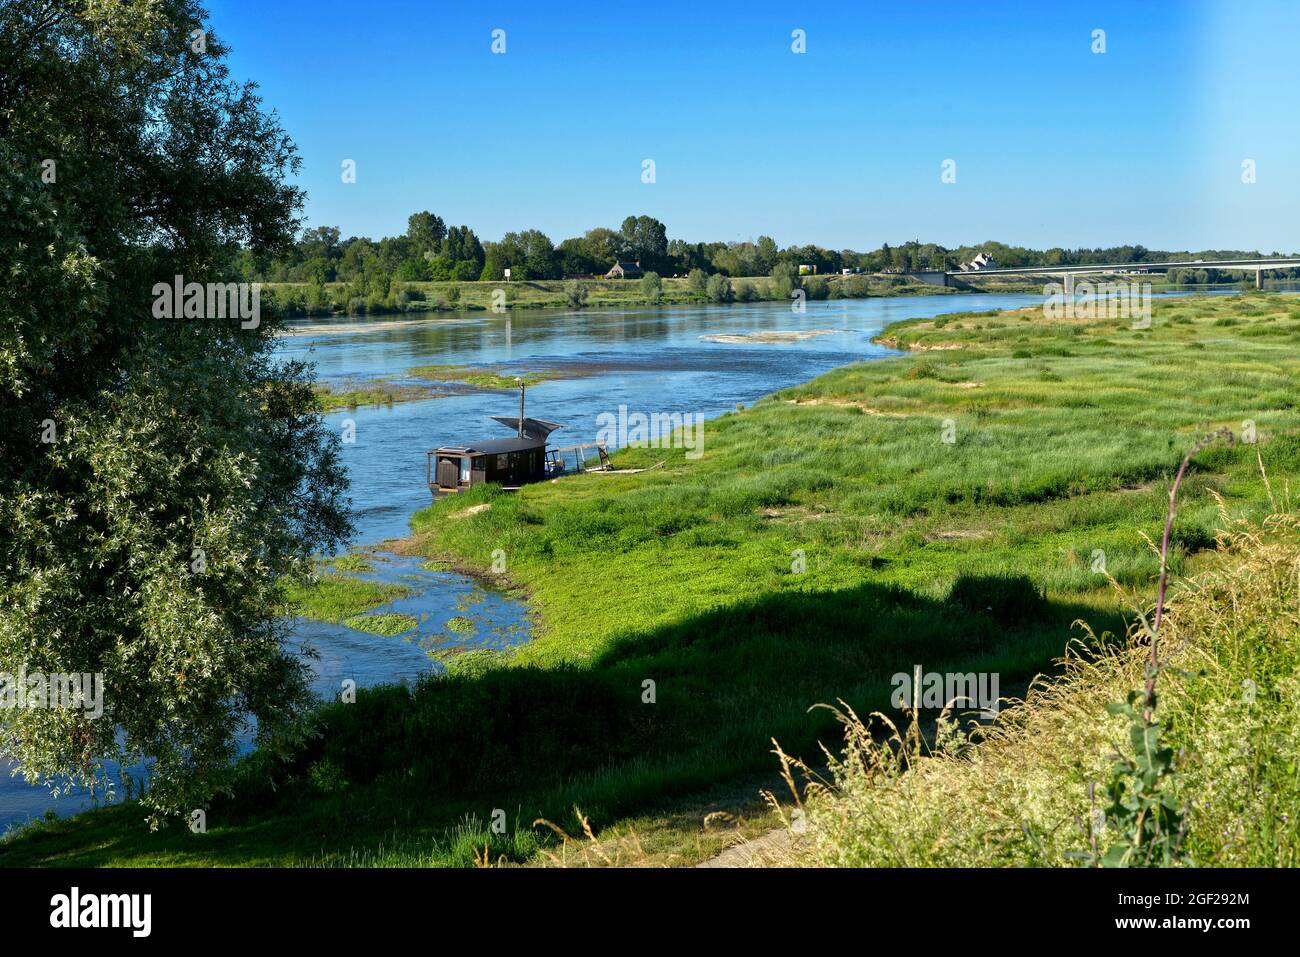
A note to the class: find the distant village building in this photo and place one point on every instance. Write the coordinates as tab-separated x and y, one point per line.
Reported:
982	261
624	270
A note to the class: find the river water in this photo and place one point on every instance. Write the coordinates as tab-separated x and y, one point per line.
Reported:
647	359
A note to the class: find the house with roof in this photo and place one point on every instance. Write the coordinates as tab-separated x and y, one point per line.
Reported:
624	270
981	261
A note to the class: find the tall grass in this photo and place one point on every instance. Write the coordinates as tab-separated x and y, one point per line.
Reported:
1020	797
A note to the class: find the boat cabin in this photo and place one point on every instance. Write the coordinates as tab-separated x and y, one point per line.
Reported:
510	462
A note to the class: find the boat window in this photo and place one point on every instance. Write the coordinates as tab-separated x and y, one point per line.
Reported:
503	462
464	468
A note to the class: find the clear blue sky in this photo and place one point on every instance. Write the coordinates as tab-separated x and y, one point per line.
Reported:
841	146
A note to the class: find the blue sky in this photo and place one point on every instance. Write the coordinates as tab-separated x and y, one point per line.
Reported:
842	145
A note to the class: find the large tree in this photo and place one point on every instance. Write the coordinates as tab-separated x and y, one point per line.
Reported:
158	477
645	239
527	254
426	232
604	246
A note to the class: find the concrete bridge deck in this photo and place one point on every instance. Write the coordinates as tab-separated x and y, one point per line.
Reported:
1258	266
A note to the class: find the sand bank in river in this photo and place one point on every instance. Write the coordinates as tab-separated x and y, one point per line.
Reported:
773	336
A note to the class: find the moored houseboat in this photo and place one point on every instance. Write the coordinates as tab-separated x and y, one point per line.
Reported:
511	462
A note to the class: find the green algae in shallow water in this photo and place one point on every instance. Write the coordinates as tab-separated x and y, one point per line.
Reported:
337	597
469	600
372	392
389	625
351	562
483	378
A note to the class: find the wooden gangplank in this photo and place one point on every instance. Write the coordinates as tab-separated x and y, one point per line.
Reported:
556	456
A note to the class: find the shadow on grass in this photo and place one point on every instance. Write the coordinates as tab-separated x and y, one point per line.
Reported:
410	764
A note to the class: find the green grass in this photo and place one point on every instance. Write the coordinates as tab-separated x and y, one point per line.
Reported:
916	550
552	293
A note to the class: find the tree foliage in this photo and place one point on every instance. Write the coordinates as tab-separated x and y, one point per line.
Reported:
652	287
158	477
718	288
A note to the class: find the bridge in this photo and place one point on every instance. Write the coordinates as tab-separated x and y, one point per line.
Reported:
1068	272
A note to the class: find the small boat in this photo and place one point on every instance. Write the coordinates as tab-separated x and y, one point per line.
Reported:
512	462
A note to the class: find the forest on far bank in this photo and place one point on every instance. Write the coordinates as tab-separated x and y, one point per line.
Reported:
432	251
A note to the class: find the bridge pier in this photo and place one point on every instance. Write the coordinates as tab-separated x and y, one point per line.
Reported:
931	277
1259	279
1069	284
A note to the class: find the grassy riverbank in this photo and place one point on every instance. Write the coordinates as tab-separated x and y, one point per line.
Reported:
332	299
945	508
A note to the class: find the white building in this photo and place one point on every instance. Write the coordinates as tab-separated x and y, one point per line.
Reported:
981	261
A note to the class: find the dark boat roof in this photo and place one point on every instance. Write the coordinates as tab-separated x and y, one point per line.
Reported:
533	428
495	446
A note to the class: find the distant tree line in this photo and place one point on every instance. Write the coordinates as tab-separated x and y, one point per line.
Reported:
430	250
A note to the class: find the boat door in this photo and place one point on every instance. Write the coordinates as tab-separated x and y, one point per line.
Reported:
446	473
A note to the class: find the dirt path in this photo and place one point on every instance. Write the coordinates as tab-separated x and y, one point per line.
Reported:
773	849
